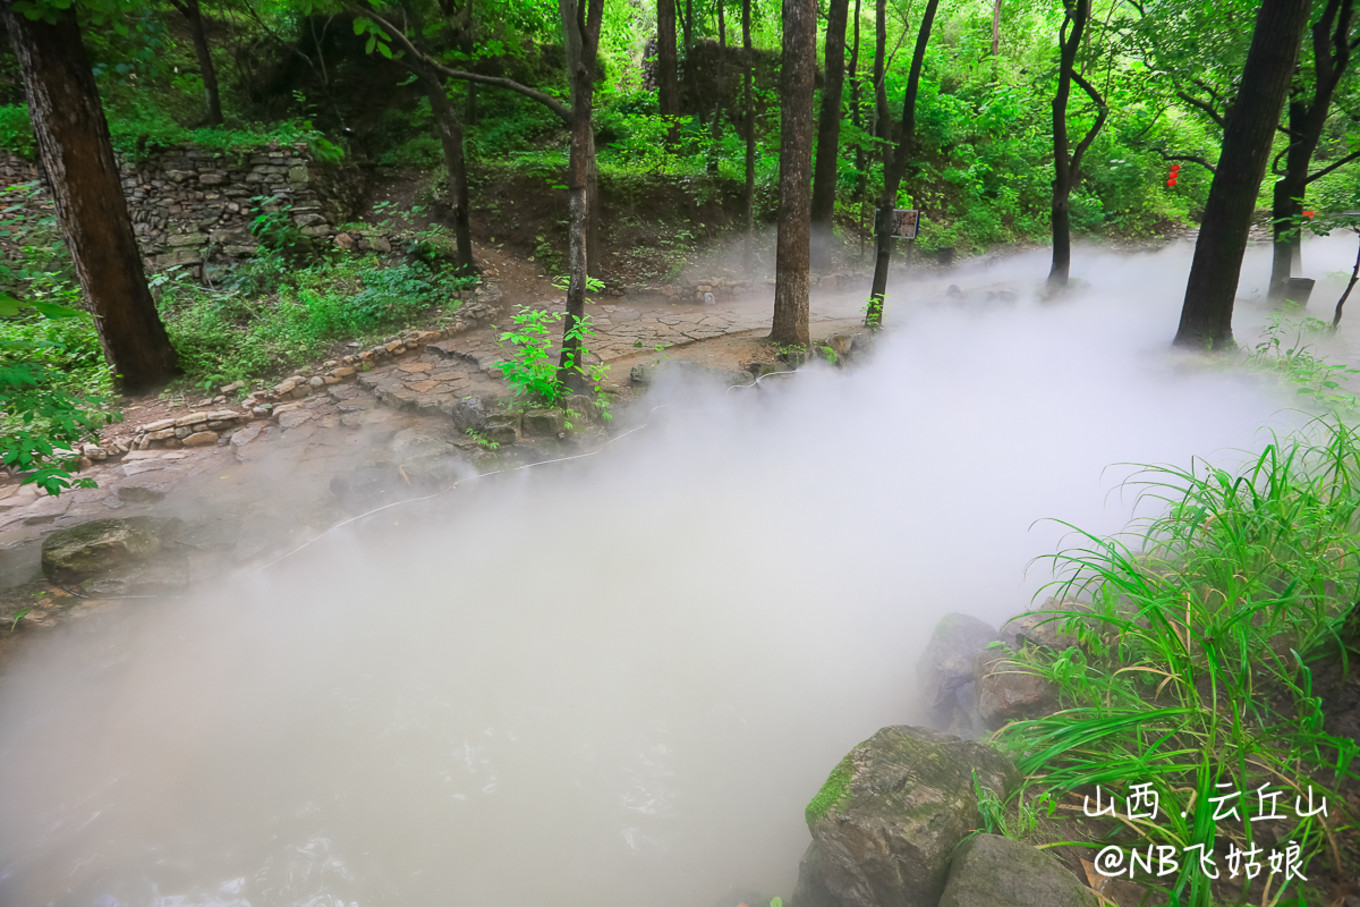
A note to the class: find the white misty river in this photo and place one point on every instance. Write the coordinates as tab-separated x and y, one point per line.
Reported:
616	681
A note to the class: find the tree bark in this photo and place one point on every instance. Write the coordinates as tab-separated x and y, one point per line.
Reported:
581	29
829	134
1206	315
74	148
451	140
715	133
1067	166
899	154
212	98
996	28
748	252
1331	54
667	70
797	72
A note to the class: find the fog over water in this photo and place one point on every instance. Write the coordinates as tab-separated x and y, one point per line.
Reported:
615	681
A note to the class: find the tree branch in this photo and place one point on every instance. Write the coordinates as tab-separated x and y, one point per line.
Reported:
1204	106
1332	166
1188	158
1102	112
547	100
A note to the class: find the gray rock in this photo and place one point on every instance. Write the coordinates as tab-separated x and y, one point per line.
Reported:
1006	692
502	428
541	423
945	673
992	871
888	818
1043	627
469	413
75	554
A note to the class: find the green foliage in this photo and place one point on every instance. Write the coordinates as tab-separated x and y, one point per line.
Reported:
240	333
1317	378
16	131
532	368
43	409
1190	667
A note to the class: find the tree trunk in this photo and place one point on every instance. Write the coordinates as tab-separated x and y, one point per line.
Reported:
996	28
856	115
1067	164
451	140
1206	315
829	134
715	134
74	148
797	71
750	116
667	78
212	99
581	29
899	154
1331	54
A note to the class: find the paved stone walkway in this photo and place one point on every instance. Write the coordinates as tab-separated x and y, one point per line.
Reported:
271	483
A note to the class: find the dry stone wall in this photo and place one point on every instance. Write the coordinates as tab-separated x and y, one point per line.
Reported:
192	207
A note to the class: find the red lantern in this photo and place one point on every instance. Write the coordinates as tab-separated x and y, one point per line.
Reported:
1172	181
1174	175
1308	214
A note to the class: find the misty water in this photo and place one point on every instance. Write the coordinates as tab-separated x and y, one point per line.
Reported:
618	680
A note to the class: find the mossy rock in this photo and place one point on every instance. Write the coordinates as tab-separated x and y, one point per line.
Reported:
92	549
889	816
992	871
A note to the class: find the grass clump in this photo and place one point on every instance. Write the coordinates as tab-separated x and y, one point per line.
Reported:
1191	670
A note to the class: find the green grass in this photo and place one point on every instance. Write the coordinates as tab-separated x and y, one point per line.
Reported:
270	317
1191	668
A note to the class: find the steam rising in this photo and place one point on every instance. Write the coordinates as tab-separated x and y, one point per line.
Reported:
616	681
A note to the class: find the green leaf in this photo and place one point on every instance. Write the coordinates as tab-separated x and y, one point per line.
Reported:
53	310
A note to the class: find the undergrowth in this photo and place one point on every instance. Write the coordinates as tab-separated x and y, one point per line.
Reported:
1191	670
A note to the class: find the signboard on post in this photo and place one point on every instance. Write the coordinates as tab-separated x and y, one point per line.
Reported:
902	222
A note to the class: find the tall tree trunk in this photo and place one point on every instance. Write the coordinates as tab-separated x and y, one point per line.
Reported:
581	31
1067	166
74	148
451	140
856	114
1331	54
212	99
668	86
715	134
748	254
1206	315
798	65
828	134
996	28
900	153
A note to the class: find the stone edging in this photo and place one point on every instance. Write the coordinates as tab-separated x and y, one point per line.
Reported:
200	429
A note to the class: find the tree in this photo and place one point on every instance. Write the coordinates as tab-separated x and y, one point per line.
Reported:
797	70
899	152
828	132
750	119
1307	116
192	14
74	147
581	30
667	69
388	30
1206	315
446	122
1067	166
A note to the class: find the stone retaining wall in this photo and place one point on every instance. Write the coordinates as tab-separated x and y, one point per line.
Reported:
193	207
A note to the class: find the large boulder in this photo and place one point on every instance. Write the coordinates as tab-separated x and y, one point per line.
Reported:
992	871
1009	692
946	673
101	547
886	821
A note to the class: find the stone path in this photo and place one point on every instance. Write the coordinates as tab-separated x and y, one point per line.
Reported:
283	474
